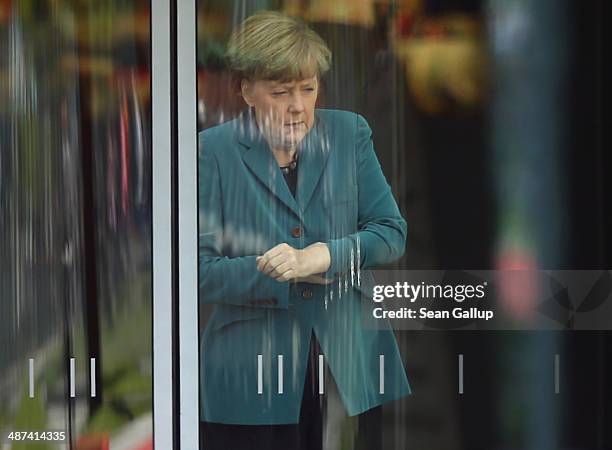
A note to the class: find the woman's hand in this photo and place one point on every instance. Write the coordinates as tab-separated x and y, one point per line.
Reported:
284	263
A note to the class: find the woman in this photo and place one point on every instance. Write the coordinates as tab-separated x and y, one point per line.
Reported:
293	208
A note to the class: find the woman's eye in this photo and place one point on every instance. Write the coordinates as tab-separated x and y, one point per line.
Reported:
279	93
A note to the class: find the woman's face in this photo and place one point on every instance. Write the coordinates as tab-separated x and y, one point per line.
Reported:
284	111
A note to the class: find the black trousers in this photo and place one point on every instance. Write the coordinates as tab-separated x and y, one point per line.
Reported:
305	435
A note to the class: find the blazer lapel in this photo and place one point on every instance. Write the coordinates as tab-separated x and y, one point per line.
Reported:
313	155
314	152
259	159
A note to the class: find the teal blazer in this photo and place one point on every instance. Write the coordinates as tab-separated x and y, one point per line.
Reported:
246	208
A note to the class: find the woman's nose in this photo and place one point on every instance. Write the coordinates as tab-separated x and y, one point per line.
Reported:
296	104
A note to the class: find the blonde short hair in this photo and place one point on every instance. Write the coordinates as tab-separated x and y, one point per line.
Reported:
272	46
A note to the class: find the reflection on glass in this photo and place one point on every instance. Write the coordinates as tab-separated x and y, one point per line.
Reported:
460	99
75	260
294	211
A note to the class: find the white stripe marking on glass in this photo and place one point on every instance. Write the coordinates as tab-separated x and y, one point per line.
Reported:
259	374
557	373
381	360
461	373
280	374
72	374
31	377
92	374
321	377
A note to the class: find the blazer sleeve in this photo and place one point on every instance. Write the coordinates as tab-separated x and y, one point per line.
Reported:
381	235
222	279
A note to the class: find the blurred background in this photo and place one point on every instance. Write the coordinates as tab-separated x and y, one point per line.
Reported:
487	119
75	228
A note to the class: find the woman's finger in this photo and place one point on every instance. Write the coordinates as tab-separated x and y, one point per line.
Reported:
286	276
274	262
274	251
282	269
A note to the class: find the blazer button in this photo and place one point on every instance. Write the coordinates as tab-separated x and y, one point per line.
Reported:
296	232
307	293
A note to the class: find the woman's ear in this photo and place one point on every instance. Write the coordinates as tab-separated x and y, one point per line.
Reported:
246	88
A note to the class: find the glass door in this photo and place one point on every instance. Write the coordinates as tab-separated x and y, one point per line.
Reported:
360	158
76	253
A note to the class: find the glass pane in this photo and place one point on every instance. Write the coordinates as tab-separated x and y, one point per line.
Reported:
75	246
444	137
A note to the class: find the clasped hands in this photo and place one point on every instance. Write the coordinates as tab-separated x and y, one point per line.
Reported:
285	263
